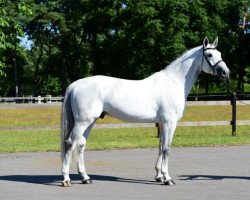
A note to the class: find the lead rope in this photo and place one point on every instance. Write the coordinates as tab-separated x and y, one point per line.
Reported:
235	90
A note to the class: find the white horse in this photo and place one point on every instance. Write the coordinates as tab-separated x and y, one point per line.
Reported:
160	98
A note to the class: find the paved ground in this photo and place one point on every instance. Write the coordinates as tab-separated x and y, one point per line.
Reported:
199	173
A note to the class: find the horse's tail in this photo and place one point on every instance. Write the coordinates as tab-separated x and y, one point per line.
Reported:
67	120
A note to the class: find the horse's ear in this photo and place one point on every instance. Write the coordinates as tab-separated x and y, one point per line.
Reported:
205	42
215	43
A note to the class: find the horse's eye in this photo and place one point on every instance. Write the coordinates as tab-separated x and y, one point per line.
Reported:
209	55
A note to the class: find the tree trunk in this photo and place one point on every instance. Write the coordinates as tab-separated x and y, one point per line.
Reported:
93	53
16	74
47	70
241	63
63	69
37	77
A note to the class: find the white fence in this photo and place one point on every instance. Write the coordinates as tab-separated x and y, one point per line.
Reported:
31	99
51	99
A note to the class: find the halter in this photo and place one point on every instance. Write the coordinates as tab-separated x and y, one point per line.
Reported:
208	61
213	66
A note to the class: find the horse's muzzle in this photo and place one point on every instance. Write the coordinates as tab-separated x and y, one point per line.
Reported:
222	73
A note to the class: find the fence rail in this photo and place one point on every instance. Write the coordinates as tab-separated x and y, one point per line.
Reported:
224	99
48	99
31	99
202	99
218	97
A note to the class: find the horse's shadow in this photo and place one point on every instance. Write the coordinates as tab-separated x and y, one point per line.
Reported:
55	180
211	177
75	178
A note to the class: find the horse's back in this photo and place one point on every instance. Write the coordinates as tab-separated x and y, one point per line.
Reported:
95	86
129	100
105	85
117	97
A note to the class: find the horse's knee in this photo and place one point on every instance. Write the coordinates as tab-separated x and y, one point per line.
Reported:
68	145
81	147
165	151
81	144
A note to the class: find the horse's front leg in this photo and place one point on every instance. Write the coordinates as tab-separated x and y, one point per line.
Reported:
166	140
159	175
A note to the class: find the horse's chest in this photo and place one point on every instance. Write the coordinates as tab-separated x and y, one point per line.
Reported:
173	106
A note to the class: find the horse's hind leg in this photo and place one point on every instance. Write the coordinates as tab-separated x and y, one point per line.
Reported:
70	146
80	164
75	140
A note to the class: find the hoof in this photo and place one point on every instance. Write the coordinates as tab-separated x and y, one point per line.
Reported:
66	183
88	181
159	180
169	182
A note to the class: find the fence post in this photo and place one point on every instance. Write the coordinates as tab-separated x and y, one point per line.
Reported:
39	99
233	122
48	97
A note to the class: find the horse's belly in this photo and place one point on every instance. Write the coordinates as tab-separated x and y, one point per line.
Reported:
130	117
133	111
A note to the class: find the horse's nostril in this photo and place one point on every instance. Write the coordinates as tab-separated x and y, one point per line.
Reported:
222	74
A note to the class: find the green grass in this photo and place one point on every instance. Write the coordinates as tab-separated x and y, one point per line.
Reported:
45	116
34	141
29	141
211	136
37	140
215	113
14	117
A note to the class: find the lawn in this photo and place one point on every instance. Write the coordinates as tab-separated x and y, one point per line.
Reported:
33	141
48	140
47	116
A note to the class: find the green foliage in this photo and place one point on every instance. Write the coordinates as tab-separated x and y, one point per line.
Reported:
52	86
129	39
247	78
10	24
11	30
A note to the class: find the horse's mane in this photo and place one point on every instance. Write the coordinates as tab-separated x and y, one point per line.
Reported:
184	55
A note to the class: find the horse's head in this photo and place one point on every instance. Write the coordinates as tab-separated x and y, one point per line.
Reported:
212	62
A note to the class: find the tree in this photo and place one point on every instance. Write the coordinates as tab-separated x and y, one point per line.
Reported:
59	43
212	19
10	31
244	34
123	38
138	38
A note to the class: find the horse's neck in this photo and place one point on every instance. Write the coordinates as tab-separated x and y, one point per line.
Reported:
186	68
